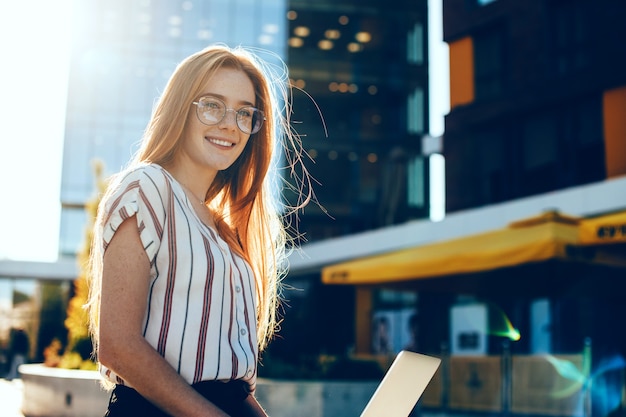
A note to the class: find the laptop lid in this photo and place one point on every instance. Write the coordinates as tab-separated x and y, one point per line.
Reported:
402	386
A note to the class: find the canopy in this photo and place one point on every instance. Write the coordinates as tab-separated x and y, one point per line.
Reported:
607	229
548	236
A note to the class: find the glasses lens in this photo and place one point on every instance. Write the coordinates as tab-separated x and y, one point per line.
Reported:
249	119
211	110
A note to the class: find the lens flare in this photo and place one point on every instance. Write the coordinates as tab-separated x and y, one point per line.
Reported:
601	384
568	370
607	385
500	325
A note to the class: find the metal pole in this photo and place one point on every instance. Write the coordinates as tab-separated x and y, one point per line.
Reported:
445	375
506	378
587	387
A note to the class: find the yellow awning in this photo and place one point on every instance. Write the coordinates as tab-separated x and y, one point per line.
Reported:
534	240
610	228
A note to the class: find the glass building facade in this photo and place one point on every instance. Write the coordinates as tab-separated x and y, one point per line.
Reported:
364	68
123	53
35	307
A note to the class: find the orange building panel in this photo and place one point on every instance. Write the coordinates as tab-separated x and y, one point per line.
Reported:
614	108
461	72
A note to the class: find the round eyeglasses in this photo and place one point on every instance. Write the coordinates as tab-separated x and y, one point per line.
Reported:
211	111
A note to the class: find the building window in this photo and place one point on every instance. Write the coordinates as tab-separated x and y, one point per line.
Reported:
570	36
584	136
489	64
37	307
72	233
416	183
394	322
415	111
539	155
492	165
415	44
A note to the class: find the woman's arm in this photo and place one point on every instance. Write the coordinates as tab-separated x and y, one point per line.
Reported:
254	408
123	349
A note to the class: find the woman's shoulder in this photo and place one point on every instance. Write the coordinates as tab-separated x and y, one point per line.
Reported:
142	191
149	182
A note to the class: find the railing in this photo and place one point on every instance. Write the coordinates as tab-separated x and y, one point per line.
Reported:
546	385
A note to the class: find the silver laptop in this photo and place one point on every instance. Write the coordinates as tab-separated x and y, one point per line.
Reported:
402	386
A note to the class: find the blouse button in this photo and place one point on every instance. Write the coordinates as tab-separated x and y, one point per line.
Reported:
242	332
238	288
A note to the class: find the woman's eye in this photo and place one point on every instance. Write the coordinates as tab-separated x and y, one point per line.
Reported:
245	113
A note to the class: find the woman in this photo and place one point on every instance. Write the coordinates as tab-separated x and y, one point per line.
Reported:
189	246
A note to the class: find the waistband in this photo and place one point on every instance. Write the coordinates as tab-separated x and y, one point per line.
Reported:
234	390
227	395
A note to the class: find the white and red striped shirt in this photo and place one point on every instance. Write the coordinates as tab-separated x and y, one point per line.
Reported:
201	306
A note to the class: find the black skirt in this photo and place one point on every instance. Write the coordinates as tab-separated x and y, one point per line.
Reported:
228	396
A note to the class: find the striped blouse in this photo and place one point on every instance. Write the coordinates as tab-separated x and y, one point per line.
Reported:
201	305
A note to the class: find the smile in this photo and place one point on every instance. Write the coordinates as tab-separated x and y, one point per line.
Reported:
220	142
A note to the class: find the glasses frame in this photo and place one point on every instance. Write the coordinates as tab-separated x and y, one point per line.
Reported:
199	106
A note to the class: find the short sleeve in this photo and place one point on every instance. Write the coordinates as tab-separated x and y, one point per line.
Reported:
139	193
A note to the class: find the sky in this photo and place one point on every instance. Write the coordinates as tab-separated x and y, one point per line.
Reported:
33	86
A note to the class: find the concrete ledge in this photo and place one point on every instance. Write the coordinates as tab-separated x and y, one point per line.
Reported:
314	398
54	392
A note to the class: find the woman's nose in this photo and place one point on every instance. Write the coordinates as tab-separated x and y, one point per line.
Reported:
229	121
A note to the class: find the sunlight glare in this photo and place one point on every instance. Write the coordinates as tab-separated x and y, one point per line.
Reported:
34	37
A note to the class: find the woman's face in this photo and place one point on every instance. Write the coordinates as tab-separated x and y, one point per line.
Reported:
216	147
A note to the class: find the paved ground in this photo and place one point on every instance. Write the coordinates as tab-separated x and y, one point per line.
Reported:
11	397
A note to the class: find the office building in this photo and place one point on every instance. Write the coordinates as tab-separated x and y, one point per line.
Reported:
363	66
537	90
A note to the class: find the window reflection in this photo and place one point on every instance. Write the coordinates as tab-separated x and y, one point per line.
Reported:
35	307
18	307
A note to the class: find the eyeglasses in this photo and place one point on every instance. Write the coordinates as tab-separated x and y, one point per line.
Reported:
211	111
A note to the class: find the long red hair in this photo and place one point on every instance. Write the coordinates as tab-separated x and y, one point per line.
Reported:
244	197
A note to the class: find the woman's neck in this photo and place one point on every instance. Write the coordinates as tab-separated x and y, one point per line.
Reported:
195	182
